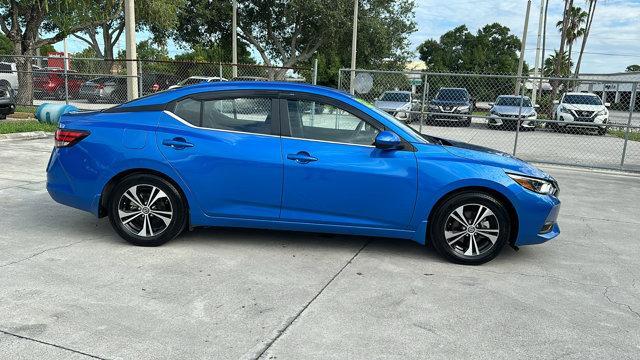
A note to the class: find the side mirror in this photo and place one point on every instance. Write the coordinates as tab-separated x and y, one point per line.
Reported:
556	101
537	106
387	140
415	101
607	104
491	104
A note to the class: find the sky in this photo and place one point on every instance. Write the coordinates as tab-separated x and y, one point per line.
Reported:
614	42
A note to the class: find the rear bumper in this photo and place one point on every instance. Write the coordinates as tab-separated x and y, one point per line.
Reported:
7	108
61	188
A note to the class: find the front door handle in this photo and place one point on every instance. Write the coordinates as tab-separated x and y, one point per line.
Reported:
177	143
302	157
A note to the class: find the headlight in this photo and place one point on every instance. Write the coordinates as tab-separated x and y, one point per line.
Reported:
564	110
406	107
533	115
601	112
433	107
463	108
539	186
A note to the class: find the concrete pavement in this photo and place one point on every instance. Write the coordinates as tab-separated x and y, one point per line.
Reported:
71	288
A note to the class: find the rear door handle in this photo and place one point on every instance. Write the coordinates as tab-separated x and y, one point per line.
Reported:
177	143
302	157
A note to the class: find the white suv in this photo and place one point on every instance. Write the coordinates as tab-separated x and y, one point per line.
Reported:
581	110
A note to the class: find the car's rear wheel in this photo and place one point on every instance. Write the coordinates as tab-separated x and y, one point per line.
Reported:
470	228
146	210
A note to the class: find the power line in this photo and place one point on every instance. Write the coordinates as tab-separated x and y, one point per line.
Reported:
594	53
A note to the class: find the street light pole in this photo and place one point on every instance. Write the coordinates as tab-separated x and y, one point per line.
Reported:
234	39
524	44
354	40
132	57
536	69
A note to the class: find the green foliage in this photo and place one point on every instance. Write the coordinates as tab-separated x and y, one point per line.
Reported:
632	68
383	30
492	50
6	46
9	127
548	67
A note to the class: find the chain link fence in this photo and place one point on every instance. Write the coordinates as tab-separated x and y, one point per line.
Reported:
587	122
91	84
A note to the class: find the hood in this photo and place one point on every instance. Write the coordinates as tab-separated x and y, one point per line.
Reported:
512	110
488	156
449	102
583	107
391	105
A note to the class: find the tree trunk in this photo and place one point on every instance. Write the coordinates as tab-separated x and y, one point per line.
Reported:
592	10
25	76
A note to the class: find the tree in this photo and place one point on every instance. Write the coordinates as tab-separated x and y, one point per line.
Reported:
633	68
574	29
493	50
291	32
592	11
22	21
158	16
549	66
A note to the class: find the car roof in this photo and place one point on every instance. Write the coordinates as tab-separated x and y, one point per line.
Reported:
173	94
398	91
512	96
581	93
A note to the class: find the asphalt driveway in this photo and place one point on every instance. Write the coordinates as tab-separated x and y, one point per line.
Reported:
70	288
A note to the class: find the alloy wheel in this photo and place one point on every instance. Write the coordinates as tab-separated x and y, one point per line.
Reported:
145	210
471	230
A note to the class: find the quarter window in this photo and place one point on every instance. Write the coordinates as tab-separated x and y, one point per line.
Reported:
317	121
189	110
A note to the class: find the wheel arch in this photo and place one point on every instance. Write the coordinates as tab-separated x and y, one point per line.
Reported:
106	191
513	214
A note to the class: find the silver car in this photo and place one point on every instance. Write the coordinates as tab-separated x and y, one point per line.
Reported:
398	103
507	108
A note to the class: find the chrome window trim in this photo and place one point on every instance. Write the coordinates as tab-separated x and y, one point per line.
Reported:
185	122
327	141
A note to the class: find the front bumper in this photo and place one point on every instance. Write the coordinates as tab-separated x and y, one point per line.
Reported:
525	122
537	219
401	115
589	122
7	107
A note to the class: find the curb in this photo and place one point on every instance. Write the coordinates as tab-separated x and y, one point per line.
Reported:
30	135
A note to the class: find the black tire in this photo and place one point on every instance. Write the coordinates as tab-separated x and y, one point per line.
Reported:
2	117
486	248
177	206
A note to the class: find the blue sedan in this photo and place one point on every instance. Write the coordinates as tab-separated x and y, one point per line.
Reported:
293	157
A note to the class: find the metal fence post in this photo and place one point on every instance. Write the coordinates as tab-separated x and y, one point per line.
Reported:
140	87
515	143
425	90
66	79
220	70
340	79
632	106
314	74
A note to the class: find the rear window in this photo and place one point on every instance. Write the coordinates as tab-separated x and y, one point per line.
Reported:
189	110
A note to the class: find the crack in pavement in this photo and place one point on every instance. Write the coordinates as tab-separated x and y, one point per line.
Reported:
279	332
42	252
51	344
606	290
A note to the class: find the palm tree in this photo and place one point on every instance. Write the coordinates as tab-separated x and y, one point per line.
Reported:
549	64
574	29
592	10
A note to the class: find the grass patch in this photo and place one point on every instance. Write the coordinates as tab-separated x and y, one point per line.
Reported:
9	127
26	109
633	135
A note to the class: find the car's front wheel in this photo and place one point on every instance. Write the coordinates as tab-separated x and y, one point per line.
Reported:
147	210
470	228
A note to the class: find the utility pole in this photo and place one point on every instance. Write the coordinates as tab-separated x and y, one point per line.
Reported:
234	39
354	40
65	51
522	47
536	69
132	56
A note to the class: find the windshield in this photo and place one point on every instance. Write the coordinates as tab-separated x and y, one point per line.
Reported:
191	81
395	97
582	100
512	101
452	95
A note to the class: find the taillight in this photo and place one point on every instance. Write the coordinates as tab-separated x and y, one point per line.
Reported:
66	138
